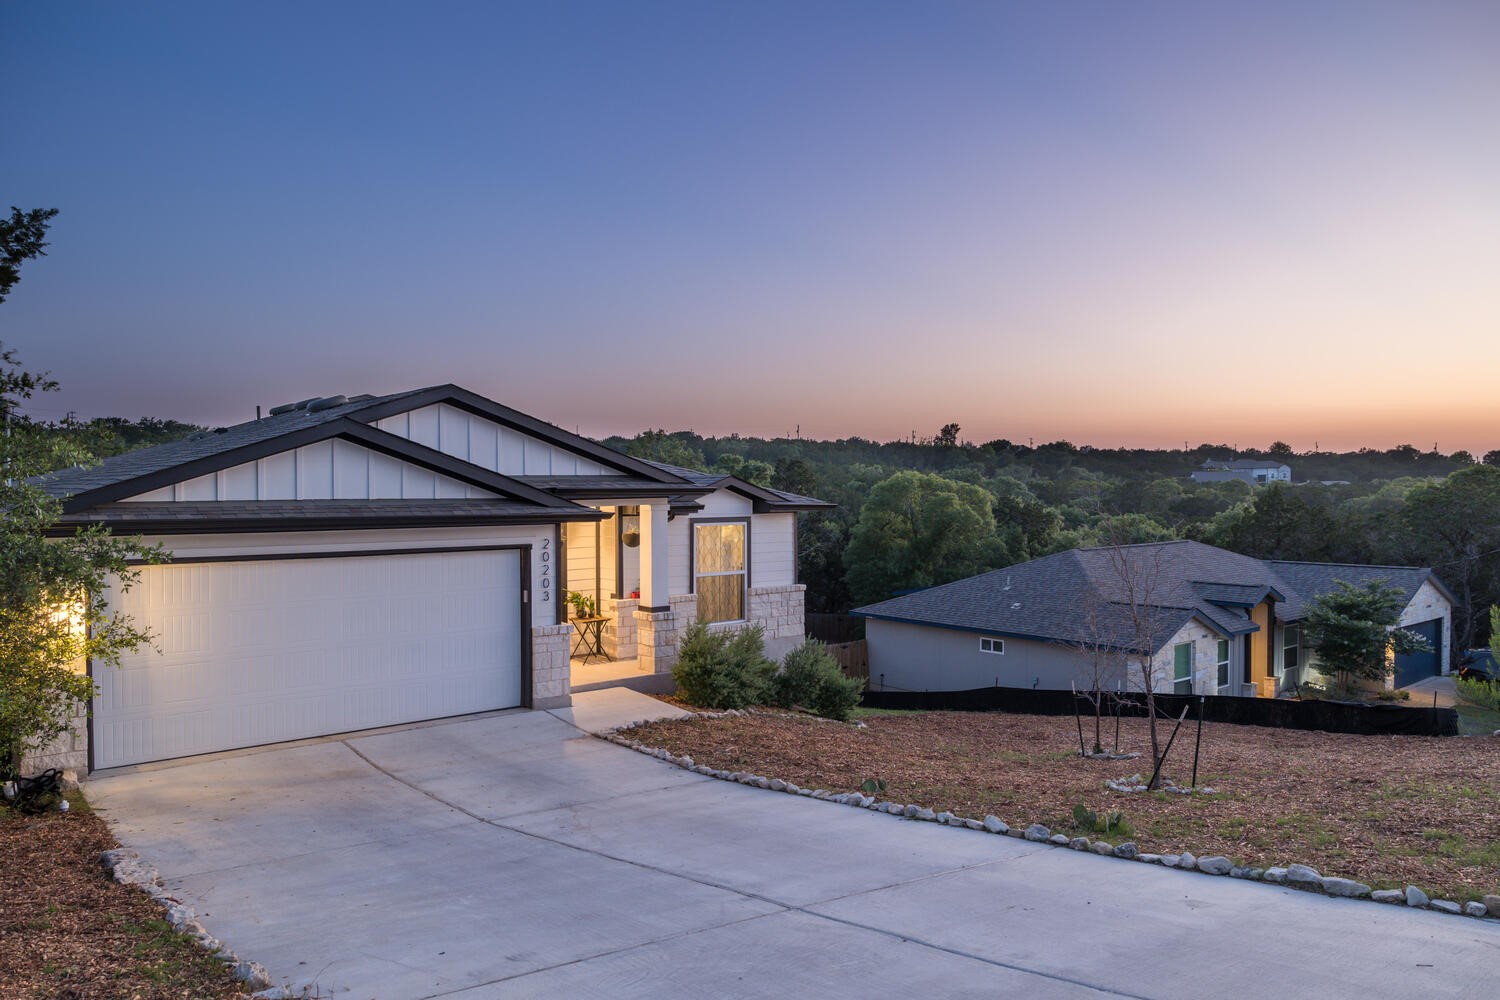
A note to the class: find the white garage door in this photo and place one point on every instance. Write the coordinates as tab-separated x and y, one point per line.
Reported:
269	650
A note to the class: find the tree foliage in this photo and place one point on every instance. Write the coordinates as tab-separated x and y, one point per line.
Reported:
1352	630
918	530
54	614
22	238
659	446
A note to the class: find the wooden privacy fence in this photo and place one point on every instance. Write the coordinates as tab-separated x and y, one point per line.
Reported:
853	657
833	628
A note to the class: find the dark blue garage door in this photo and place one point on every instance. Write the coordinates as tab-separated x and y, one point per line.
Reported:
1413	667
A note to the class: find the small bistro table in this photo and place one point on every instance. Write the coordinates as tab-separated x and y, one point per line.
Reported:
590	640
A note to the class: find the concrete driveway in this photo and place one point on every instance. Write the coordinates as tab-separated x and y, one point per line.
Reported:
512	855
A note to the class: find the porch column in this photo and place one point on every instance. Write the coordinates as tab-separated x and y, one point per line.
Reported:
656	625
654	596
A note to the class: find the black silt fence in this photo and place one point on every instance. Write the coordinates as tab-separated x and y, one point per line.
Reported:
1276	713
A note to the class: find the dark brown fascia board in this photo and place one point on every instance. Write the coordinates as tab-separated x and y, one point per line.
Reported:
464	399
343	427
604	492
766	502
207	526
789	506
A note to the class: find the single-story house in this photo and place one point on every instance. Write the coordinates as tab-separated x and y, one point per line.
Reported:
1216	622
352	562
1256	471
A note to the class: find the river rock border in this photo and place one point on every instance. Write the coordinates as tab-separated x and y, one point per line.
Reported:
1295	876
125	867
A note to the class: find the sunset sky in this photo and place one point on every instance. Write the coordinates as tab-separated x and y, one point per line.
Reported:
1115	223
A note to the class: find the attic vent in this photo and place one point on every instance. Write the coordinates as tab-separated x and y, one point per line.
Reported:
361	397
283	408
326	403
1015	605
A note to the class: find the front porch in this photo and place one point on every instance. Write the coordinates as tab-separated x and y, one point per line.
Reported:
631	673
631	582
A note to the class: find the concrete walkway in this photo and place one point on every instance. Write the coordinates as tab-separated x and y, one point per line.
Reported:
1433	692
512	855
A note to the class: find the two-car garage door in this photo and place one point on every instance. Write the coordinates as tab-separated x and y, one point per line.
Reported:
267	650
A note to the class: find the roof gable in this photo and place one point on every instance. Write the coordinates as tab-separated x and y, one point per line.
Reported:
143	473
334	469
456	398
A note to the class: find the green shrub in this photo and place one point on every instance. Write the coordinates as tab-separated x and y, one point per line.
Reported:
811	678
1476	692
723	669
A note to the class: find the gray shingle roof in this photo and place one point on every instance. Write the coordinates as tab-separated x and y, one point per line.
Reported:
159	458
715	479
1320	578
1054	598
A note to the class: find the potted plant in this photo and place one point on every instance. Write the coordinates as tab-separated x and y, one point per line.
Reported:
583	605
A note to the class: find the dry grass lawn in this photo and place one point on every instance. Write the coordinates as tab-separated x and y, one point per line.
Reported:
70	932
1386	810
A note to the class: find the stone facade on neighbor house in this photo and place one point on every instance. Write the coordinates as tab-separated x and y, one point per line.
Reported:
1205	663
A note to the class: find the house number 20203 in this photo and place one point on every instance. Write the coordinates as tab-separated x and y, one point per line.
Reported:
546	569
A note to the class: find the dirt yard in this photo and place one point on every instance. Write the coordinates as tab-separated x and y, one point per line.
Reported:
69	932
1386	810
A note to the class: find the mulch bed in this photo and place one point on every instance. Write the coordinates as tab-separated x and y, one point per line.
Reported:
69	932
1386	810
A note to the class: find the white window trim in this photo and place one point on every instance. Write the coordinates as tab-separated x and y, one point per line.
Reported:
1227	663
988	644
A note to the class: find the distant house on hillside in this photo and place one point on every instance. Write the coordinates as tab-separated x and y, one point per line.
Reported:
1256	471
1221	623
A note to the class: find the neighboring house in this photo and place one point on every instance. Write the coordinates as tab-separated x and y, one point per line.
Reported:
347	563
1256	471
1218	622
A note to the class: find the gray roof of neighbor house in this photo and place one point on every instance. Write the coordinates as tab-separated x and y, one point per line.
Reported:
1085	595
1319	578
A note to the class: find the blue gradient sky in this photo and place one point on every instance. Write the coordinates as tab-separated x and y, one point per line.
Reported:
1116	223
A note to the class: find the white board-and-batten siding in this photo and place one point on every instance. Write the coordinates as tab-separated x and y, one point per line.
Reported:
326	470
487	444
773	556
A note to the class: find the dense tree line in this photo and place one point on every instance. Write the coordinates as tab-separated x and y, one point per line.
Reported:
922	512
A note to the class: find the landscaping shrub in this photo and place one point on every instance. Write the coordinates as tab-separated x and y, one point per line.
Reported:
723	669
1481	693
811	678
